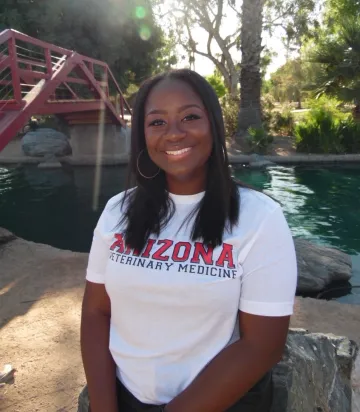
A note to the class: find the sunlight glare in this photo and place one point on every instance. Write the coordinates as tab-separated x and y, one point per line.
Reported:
140	12
145	32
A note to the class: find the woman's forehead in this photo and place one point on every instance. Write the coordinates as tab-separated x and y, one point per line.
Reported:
171	91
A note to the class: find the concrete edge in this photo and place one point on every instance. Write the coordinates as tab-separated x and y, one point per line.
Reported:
234	159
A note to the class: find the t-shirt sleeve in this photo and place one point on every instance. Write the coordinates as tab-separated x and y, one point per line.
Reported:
99	253
270	269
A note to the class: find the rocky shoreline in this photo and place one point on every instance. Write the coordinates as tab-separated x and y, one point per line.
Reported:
42	288
13	154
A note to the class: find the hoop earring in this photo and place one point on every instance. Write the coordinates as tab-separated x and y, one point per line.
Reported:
138	169
224	152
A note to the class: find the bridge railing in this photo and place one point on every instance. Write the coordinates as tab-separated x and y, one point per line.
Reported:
25	61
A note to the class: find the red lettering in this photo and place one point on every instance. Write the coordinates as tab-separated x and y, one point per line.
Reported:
119	243
176	253
207	255
158	255
127	250
150	244
226	255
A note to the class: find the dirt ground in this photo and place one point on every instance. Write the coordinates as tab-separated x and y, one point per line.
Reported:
40	301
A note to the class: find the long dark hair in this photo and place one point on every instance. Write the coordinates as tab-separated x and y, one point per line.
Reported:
148	207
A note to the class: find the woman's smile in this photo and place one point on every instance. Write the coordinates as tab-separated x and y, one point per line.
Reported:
178	154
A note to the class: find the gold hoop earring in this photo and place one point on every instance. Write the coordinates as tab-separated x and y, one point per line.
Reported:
138	168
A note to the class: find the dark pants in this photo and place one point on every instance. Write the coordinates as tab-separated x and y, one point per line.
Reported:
258	399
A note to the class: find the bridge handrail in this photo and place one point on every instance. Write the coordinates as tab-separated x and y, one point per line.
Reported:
10	36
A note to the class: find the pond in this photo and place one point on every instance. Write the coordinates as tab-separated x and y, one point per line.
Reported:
60	207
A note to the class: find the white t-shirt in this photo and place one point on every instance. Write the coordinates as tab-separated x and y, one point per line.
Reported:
175	307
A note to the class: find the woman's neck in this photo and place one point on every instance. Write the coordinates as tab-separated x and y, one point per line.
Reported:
186	186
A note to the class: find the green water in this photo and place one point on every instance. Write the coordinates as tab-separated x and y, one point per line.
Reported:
60	207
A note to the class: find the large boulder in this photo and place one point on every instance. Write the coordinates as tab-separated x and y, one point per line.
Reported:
319	266
314	374
6	236
45	142
257	161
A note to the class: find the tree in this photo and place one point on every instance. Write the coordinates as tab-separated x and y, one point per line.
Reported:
296	18
250	77
188	15
122	33
338	57
287	83
166	57
336	11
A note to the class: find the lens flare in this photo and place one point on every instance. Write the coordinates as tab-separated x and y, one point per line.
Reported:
140	12
145	32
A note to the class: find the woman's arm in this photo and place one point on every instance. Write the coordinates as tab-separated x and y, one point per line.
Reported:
98	363
237	368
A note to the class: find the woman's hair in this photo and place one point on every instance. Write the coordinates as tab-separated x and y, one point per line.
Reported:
148	207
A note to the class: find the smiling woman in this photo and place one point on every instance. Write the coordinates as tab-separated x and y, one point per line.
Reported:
182	264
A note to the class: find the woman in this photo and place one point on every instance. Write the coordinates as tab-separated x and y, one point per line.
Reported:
180	264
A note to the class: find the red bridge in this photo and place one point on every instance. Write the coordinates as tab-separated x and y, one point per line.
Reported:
38	78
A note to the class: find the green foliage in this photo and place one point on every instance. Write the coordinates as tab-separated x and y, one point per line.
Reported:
230	109
132	88
338	55
336	10
217	83
166	58
267	101
287	83
295	17
283	122
111	30
323	132
349	132
330	104
259	139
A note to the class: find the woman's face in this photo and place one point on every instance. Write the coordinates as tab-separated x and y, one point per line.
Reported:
177	130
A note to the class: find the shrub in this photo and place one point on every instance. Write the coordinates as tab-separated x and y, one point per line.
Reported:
283	122
349	131
259	139
217	83
267	102
319	133
331	105
230	109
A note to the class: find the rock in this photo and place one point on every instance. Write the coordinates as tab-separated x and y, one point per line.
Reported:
83	401
43	142
6	236
259	162
49	165
319	266
355	383
314	374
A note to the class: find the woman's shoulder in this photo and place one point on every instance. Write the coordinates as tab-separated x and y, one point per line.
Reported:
255	208
256	201
116	205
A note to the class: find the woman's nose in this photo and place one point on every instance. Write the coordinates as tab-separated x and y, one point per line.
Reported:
174	132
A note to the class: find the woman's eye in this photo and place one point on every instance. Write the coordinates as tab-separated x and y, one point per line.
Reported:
157	122
191	117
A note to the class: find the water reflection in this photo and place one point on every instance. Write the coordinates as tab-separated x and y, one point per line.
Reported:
56	206
321	205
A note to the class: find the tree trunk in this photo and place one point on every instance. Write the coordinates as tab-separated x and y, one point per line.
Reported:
231	83
250	78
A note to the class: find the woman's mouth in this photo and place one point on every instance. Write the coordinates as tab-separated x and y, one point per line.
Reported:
178	153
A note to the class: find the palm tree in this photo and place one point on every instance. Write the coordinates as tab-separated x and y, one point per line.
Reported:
339	60
250	77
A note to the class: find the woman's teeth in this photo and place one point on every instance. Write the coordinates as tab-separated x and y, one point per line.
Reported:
178	152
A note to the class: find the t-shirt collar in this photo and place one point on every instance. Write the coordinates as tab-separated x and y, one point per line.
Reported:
186	199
